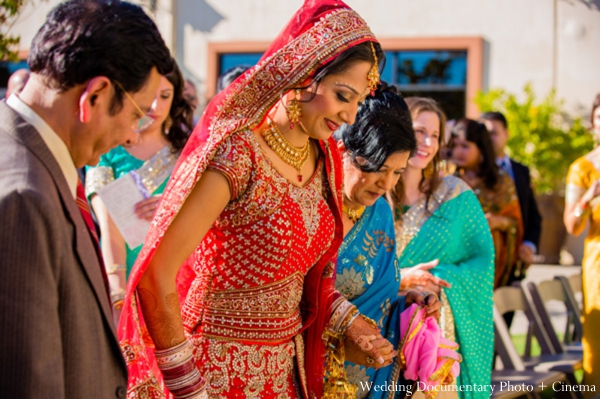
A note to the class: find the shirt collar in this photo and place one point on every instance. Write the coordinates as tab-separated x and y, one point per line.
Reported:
503	160
55	144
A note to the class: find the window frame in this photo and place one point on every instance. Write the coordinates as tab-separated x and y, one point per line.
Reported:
473	45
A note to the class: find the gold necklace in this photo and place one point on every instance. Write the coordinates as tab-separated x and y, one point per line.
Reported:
288	153
353	214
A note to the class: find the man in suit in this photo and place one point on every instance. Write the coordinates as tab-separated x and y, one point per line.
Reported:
95	67
532	221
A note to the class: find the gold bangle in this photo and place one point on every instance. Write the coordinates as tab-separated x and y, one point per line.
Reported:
342	311
117	296
115	267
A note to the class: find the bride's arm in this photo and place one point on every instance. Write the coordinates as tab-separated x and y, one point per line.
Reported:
157	290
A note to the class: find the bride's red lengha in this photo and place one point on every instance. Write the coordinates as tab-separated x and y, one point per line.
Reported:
256	294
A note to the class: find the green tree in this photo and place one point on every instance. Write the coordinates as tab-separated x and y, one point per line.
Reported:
542	135
9	11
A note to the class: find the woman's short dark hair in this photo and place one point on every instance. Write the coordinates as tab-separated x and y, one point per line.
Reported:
478	134
181	112
82	39
383	127
495	116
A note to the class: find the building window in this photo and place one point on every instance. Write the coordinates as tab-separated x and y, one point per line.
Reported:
230	60
439	74
448	69
6	69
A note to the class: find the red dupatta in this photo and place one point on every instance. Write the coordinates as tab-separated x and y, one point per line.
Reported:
316	34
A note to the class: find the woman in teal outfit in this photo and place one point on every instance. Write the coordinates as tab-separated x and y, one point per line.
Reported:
152	157
440	218
375	150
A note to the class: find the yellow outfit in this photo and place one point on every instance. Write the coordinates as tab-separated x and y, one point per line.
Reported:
582	173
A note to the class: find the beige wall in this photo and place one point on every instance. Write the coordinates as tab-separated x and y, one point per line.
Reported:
546	42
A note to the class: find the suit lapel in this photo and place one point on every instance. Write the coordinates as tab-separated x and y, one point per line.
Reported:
84	246
518	176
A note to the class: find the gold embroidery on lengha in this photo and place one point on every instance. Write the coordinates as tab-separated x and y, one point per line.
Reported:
300	360
305	198
149	389
266	313
255	365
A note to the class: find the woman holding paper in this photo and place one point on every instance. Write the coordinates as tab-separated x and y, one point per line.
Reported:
150	161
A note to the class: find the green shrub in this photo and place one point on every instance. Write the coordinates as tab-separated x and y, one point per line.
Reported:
542	135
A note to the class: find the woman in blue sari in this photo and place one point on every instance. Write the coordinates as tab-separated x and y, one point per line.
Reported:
440	218
375	151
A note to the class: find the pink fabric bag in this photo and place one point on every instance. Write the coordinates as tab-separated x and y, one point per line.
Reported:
425	354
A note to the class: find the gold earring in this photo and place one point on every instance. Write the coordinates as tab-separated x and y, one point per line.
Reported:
293	110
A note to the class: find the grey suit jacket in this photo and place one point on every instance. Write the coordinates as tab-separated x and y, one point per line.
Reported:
57	338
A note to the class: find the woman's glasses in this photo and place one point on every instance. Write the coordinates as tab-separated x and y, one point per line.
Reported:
145	121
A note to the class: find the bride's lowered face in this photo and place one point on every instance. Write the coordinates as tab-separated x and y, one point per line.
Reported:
335	101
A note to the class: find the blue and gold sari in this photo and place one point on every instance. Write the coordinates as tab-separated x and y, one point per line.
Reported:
369	277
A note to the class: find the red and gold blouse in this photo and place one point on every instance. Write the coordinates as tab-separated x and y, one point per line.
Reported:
243	309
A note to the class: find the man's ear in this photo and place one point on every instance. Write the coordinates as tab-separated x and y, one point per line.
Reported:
95	92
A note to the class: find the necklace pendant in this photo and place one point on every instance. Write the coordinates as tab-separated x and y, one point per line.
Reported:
300	178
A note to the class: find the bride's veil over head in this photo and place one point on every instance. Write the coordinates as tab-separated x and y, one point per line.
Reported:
317	33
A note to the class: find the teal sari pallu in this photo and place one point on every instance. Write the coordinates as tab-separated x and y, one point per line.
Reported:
457	233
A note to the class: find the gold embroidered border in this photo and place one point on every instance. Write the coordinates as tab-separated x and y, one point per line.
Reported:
96	178
411	222
158	168
266	313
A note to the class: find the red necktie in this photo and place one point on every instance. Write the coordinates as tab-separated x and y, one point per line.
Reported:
84	208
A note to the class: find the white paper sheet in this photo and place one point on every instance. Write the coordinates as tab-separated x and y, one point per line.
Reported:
120	197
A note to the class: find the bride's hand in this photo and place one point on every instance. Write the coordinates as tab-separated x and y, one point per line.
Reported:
364	345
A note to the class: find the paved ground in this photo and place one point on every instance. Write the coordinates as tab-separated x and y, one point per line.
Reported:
537	273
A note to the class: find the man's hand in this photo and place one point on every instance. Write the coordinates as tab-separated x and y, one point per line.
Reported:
526	255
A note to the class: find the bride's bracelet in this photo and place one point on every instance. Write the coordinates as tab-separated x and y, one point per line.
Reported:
344	313
180	373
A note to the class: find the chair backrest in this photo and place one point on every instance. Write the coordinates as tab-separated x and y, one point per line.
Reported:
513	298
551	290
509	299
541	294
573	328
576	287
575	283
504	345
